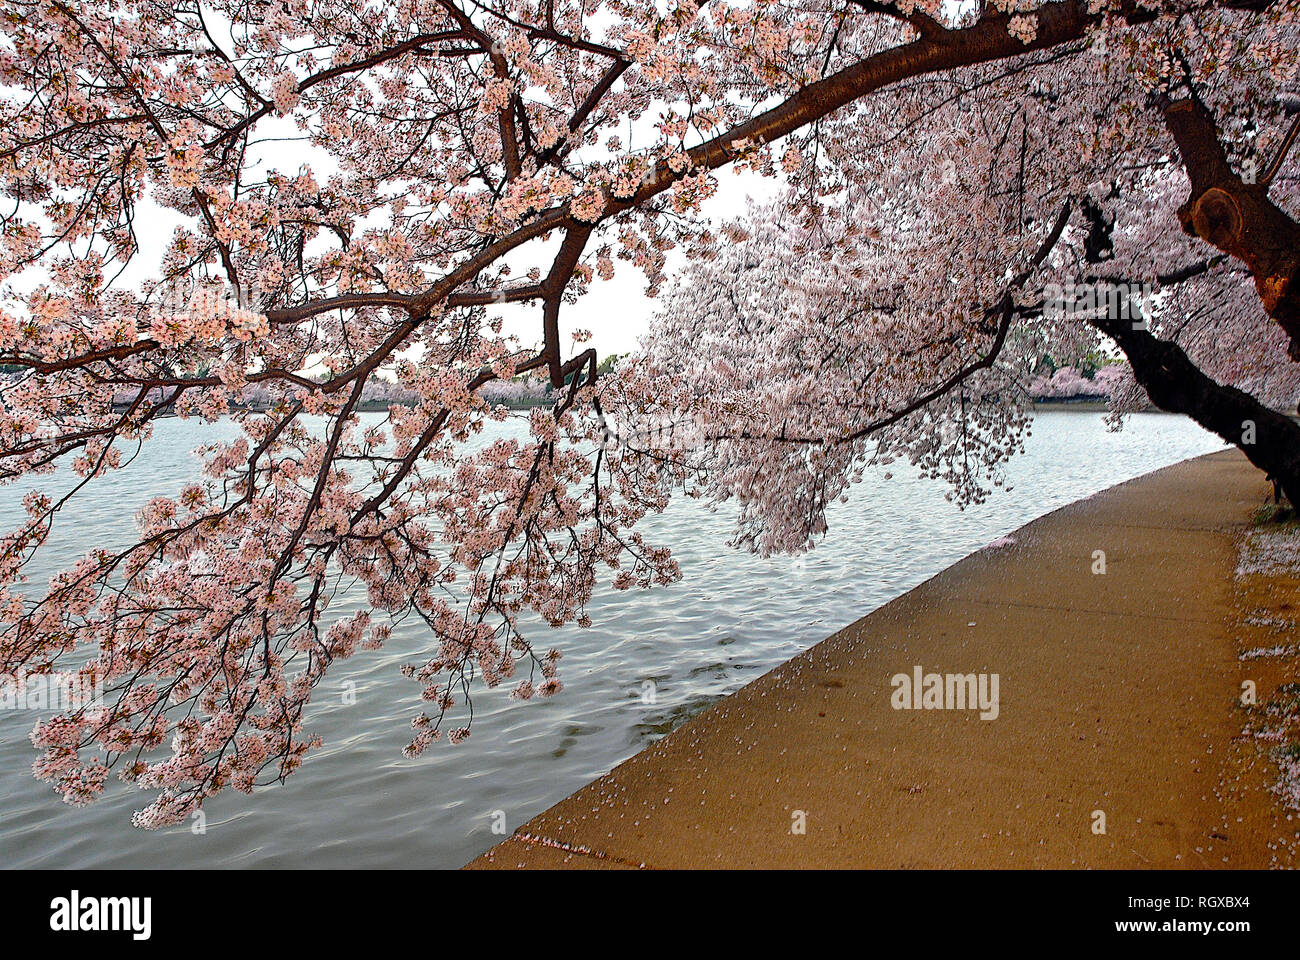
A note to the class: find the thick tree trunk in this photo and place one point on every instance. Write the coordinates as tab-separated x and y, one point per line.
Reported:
1237	216
1270	440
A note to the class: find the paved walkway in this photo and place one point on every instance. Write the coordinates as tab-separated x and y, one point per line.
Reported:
1116	699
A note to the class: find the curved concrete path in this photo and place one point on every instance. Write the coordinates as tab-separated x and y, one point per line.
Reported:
1117	695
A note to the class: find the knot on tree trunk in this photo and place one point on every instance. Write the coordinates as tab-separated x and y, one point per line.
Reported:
1214	216
1240	221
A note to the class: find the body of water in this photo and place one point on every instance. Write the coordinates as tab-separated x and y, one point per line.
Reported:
358	803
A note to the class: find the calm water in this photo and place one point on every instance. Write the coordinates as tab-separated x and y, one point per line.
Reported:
359	803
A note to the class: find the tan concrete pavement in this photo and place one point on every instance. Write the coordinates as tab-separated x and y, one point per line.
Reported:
1117	696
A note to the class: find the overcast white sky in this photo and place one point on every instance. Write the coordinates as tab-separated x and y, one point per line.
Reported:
617	312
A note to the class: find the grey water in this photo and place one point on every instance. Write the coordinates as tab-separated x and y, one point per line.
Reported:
358	803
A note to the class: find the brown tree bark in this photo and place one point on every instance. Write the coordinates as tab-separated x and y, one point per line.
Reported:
1236	216
1270	440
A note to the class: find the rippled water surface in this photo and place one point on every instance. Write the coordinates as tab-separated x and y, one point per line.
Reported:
359	803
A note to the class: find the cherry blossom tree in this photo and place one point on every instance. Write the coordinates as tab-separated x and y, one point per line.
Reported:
1070	383
352	189
896	302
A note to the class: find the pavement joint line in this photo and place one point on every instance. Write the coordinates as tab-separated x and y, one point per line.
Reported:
1093	610
1114	525
1157	526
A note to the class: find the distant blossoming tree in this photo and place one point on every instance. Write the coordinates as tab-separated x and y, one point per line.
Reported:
943	165
1069	382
